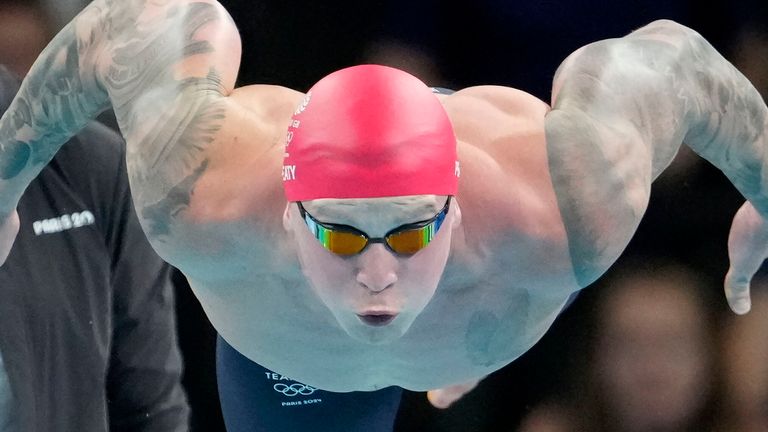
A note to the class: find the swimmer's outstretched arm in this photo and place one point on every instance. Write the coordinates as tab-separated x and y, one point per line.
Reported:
165	67
621	109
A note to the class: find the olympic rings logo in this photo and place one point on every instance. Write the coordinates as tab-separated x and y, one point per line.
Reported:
294	389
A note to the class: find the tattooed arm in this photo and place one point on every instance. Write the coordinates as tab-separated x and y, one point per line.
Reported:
621	109
165	66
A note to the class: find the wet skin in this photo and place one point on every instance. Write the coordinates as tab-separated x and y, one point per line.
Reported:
548	199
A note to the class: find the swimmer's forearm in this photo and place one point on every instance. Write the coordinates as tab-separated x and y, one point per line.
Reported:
730	124
54	102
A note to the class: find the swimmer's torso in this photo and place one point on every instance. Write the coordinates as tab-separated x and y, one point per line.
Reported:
507	278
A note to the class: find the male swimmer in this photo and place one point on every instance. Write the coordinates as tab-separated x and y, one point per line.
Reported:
369	235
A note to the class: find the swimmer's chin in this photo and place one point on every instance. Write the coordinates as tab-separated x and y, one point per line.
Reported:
375	335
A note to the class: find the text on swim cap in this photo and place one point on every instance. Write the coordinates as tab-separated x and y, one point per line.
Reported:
300	109
289	136
289	172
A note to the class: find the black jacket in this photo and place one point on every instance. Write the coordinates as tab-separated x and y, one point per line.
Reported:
87	326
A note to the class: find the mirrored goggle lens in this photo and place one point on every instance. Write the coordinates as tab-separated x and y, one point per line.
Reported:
341	242
411	241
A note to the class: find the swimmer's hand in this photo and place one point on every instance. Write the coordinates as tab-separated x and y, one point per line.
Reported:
747	249
446	396
9	227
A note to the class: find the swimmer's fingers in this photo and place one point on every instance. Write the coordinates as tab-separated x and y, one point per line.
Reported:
446	396
737	293
9	227
747	249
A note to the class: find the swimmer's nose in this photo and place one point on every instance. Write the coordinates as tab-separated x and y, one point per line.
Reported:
377	268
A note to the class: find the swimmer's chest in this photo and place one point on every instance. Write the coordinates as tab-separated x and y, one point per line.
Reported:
464	333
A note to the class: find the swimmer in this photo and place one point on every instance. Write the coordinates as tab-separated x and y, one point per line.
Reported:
371	235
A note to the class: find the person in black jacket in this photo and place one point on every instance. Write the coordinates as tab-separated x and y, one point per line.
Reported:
87	338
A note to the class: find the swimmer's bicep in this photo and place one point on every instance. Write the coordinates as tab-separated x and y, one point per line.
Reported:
602	183
617	121
619	116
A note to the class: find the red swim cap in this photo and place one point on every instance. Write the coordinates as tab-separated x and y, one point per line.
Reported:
369	131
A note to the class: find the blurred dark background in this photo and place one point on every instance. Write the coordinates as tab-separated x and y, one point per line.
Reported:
558	385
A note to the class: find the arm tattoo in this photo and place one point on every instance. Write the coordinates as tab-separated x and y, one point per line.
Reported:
159	215
124	52
598	215
54	102
170	125
622	108
14	156
731	124
494	337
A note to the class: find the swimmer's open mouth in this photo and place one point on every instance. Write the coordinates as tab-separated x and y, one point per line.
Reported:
376	320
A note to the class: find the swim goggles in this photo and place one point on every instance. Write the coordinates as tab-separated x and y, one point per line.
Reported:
347	240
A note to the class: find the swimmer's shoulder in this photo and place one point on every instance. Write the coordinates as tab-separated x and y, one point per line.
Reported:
260	114
242	177
500	131
503	123
478	102
273	104
255	120
235	210
503	154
